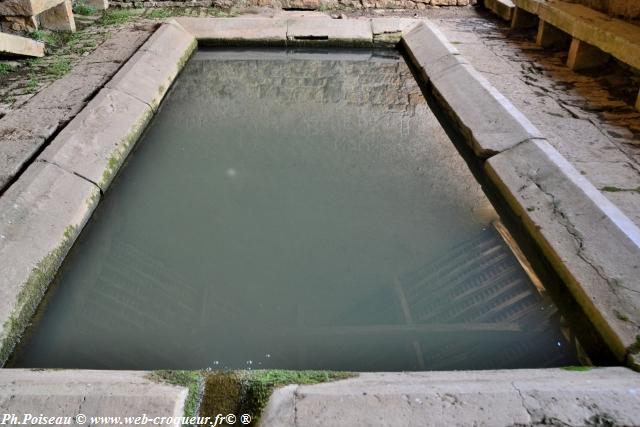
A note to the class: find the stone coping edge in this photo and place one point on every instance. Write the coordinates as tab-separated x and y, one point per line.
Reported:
590	243
50	223
67	393
518	397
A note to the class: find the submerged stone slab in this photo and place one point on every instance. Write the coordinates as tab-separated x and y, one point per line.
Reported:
21	46
592	245
462	398
319	31
69	393
40	217
489	122
96	143
150	72
229	31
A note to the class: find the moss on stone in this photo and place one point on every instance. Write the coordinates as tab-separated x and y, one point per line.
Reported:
635	347
577	368
32	292
247	392
192	380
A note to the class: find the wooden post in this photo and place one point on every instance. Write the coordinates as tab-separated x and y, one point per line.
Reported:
523	19
548	35
583	55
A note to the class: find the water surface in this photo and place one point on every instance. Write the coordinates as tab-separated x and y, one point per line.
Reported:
299	210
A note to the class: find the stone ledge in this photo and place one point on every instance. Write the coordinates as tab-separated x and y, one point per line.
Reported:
239	31
489	121
66	393
149	73
592	245
461	398
41	215
96	143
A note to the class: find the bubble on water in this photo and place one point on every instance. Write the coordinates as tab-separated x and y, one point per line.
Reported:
231	172
267	355
559	344
249	362
216	362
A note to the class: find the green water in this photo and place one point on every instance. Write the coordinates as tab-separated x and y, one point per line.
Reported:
299	210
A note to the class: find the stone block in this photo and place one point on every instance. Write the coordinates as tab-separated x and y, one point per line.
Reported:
430	50
335	32
21	46
524	397
389	31
590	243
97	141
238	31
58	18
41	216
66	393
488	121
98	4
150	72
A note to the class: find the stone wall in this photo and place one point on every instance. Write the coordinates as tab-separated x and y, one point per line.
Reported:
621	8
296	4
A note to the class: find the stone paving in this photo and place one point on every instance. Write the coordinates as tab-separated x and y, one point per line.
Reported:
588	117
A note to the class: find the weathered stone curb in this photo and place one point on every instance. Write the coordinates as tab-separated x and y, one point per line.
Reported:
591	244
462	398
322	31
95	144
490	123
41	215
238	31
149	73
312	31
68	393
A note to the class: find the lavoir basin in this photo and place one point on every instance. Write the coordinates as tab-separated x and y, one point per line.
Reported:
297	209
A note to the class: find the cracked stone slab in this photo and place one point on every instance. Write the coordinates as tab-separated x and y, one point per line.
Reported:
335	32
24	131
67	393
40	218
463	398
489	122
150	72
592	245
239	31
97	141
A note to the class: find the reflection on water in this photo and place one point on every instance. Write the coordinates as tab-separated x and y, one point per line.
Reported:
294	210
